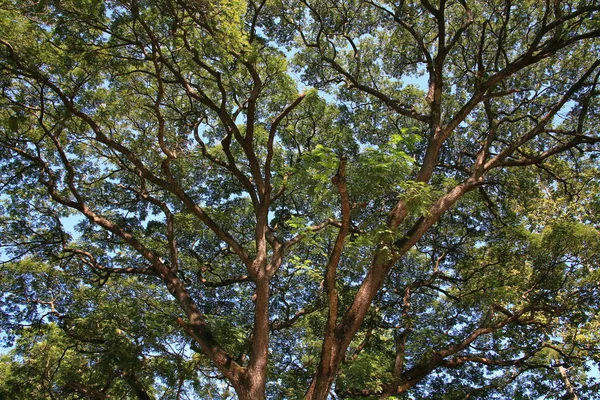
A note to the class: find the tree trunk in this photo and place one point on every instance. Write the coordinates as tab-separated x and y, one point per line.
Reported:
254	382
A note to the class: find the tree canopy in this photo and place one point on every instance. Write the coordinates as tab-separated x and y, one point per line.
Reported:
299	199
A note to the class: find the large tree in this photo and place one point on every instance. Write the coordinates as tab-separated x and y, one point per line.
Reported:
292	198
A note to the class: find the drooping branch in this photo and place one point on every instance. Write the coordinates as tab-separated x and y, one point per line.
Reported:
273	130
501	158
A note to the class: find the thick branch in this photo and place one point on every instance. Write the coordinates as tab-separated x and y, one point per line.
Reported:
330	352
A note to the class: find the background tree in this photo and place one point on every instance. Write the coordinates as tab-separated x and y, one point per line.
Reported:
368	239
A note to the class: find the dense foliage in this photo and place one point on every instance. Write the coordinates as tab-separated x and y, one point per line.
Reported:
299	198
